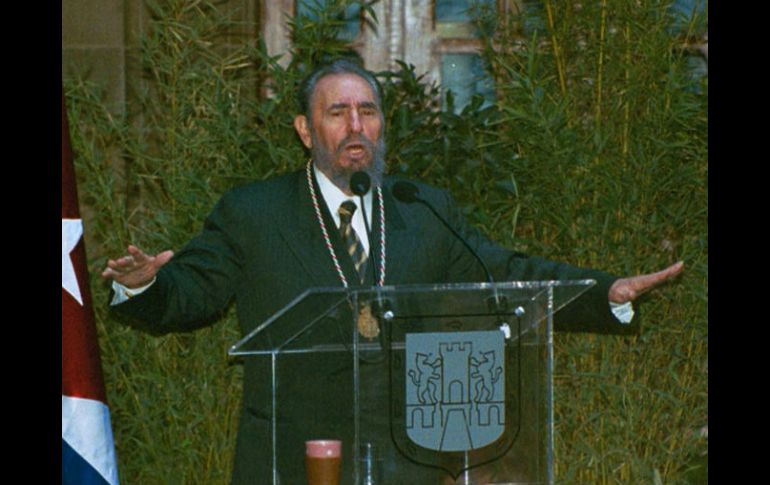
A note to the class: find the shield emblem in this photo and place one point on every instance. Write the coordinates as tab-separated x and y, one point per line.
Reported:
455	389
455	396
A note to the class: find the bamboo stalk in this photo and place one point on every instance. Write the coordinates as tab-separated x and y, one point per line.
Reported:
627	103
600	63
556	51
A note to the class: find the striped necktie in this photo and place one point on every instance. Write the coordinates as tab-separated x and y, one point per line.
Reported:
350	238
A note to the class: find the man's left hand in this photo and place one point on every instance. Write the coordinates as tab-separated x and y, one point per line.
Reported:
629	289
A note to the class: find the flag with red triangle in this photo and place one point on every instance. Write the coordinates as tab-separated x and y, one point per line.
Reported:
88	451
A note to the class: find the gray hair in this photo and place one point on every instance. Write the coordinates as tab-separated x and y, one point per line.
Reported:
337	66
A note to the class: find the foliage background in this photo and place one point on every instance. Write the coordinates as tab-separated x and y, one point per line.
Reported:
594	153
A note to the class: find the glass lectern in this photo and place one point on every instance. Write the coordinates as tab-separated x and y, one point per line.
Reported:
438	384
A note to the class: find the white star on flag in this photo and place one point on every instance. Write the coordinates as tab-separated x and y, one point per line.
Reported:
71	231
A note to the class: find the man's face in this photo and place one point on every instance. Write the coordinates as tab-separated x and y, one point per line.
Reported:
345	132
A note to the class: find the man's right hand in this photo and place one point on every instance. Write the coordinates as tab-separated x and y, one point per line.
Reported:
136	269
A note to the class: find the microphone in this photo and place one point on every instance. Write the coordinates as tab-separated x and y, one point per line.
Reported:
359	185
408	193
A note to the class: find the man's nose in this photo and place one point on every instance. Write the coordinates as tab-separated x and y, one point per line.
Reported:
354	122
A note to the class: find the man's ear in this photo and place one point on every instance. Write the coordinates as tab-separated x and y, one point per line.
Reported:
303	130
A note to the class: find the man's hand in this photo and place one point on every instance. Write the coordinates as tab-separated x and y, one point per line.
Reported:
629	289
135	269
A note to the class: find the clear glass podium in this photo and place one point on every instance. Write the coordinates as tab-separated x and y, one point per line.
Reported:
439	384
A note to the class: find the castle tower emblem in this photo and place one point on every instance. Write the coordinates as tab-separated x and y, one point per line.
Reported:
455	389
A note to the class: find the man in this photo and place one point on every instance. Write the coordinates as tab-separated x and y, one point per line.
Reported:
265	243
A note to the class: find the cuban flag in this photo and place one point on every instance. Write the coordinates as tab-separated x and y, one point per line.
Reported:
87	449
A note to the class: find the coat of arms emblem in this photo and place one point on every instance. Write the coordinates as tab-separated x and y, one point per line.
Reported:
455	389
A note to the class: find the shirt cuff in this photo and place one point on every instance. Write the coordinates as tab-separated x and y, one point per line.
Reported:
624	312
122	293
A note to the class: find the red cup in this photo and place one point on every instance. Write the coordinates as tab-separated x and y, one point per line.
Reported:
322	462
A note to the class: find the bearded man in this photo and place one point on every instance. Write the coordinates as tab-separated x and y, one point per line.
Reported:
266	242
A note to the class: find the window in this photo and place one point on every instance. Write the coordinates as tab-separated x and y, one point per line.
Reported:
461	68
689	25
437	37
351	16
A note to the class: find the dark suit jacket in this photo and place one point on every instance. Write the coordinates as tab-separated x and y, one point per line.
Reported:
262	246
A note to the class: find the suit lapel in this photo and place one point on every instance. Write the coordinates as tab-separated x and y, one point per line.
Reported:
400	241
301	231
344	260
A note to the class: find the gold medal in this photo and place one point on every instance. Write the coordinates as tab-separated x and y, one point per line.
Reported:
368	327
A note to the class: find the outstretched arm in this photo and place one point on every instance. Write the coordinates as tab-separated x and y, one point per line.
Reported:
629	289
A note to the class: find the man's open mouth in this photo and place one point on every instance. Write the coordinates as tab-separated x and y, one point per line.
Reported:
356	149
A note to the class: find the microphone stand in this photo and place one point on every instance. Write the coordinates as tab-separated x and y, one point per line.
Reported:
359	185
408	193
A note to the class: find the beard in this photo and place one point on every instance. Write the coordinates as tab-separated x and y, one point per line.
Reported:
325	160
